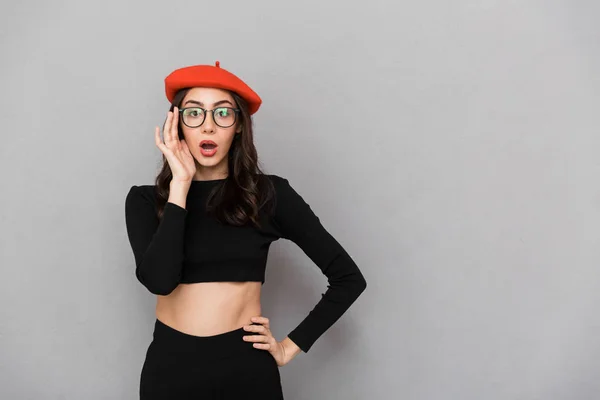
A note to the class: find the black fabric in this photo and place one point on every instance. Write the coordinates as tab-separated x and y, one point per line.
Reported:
187	245
179	366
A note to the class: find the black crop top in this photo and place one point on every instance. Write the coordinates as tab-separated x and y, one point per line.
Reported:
187	246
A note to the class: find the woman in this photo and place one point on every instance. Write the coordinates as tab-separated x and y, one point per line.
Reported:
200	238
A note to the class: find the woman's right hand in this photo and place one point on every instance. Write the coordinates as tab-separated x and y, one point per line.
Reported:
177	152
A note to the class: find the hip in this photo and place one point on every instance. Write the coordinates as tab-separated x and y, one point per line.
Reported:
222	366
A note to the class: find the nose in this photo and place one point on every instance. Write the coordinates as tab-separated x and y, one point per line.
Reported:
209	123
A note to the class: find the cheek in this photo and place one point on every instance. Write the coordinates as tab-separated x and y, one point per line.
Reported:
191	135
228	137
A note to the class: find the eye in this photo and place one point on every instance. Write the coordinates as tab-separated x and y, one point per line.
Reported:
223	112
193	112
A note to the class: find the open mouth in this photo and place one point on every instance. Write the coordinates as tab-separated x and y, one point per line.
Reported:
208	147
208	144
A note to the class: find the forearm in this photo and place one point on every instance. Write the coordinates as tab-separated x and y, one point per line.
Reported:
158	245
159	267
346	283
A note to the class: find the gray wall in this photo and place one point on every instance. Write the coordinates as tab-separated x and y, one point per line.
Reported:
451	147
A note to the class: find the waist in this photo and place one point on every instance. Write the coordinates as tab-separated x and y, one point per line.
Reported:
182	348
210	308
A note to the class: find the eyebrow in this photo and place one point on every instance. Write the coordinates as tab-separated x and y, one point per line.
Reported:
202	104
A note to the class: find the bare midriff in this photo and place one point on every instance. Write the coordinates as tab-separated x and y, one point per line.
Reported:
210	308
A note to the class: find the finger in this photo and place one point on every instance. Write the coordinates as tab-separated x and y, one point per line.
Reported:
261	320
174	133
262	346
167	128
258	338
185	147
171	133
256	328
158	140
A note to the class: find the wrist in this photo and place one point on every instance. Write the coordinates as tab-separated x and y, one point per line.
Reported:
180	184
290	349
178	192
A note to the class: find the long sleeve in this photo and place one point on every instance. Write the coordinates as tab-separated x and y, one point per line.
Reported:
158	246
297	222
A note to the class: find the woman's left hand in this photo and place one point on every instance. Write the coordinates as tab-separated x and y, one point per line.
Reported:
264	340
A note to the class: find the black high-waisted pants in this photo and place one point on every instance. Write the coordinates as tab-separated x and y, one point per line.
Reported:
179	366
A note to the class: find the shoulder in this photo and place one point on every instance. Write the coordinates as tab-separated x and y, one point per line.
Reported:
288	199
281	186
141	194
279	182
272	177
293	216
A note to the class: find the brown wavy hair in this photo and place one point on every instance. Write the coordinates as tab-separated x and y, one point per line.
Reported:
245	192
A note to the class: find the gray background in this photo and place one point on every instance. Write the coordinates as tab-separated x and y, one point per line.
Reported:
451	147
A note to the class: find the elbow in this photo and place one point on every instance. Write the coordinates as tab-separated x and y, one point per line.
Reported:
359	286
352	286
157	285
363	284
357	283
345	273
161	290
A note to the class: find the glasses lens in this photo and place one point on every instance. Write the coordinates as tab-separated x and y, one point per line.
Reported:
224	116
193	116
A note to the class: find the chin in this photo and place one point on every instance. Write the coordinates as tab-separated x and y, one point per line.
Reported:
208	161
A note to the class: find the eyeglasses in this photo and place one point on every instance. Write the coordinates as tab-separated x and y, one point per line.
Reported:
224	117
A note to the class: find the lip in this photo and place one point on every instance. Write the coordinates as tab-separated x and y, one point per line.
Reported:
208	153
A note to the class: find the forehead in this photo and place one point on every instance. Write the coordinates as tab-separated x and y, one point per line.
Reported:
207	95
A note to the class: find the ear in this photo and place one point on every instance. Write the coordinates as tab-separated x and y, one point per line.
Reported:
238	129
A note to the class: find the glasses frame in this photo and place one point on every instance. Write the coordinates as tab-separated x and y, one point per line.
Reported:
236	111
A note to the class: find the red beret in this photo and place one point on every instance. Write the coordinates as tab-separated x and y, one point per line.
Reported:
210	76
